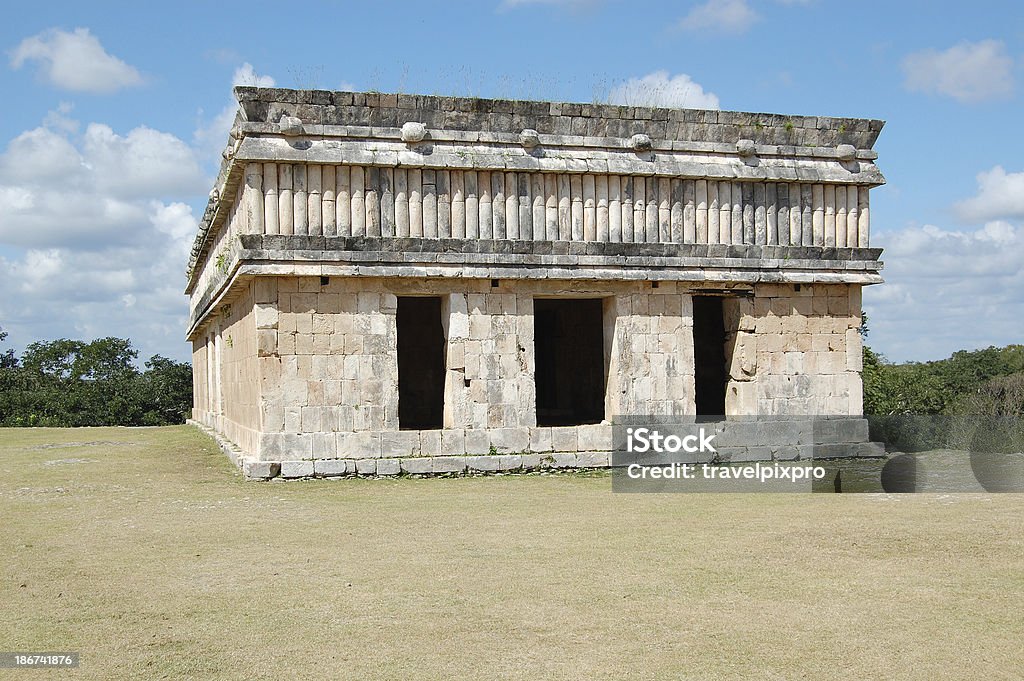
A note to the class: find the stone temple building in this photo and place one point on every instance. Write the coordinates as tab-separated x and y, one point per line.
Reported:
392	283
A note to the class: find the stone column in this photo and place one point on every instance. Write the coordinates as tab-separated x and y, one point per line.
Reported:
271	223
415	202
589	208
486	221
538	207
840	216
601	193
665	209
569	228
458	204
472	205
429	204
330	201
299	196
314	202
343	195
442	179
356	192
286	204
615	209
512	206
830	215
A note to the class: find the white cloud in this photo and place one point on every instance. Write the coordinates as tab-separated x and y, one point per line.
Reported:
59	189
947	290
967	72
75	61
661	89
1000	195
728	16
211	136
246	75
143	163
91	241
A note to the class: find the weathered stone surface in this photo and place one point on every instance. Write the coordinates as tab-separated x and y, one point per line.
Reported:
296	469
334	467
413	132
261	470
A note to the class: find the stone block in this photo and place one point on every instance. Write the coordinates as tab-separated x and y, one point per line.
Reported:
448	464
594	437
477	442
559	460
389	467
510	462
482	463
592	459
417	466
296	469
510	439
540	439
359	445
453	442
531	462
325	445
564	439
430	443
400	443
366	466
334	467
260	470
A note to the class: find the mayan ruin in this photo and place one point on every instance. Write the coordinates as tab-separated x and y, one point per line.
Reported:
392	283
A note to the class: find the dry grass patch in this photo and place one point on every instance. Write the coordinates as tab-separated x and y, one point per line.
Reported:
144	550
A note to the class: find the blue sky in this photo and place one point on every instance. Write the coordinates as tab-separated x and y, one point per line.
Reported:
116	113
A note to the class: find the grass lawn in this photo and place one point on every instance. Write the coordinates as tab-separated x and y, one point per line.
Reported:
144	550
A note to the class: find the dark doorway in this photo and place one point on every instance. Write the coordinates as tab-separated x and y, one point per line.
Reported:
569	345
709	355
420	364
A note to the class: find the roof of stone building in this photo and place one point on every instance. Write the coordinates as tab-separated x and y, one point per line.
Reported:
375	129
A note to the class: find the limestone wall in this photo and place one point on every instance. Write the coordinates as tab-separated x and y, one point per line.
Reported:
227	374
342	200
327	363
796	352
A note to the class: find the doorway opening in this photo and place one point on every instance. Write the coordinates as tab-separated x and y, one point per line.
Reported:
710	373
569	347
420	363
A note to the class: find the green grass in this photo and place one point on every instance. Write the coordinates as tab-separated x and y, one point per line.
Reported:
144	550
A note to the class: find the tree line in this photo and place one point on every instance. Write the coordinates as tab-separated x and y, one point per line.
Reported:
65	383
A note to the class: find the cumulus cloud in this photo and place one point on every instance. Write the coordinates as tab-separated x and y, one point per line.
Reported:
968	72
947	290
661	89
729	16
1000	195
211	135
75	61
95	243
246	75
57	188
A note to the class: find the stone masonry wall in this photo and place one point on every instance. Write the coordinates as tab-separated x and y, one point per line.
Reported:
795	350
227	376
328	374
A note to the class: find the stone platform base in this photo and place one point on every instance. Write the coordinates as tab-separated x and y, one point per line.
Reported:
507	463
